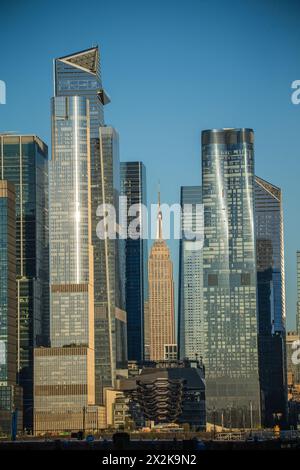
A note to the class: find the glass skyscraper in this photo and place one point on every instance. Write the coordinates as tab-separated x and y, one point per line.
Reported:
79	74
71	251
271	299
65	373
24	162
10	393
8	321
229	278
110	310
190	303
133	186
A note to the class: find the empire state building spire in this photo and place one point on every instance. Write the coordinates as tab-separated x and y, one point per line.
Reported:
159	235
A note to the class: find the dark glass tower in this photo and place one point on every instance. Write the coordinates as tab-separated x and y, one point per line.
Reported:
190	315
229	278
10	393
8	330
24	162
133	186
271	300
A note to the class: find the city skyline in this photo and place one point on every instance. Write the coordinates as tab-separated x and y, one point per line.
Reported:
120	314
218	95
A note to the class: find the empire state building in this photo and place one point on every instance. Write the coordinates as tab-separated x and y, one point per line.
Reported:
161	298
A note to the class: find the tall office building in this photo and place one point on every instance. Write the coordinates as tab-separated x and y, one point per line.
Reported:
190	303
298	294
65	373
10	393
229	278
271	299
110	314
161	296
79	74
24	162
133	186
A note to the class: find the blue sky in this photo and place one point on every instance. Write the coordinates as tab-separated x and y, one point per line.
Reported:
172	68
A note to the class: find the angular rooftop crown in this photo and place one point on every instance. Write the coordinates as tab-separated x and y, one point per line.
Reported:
85	60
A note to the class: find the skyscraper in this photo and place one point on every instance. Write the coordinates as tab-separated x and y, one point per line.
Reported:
10	393
229	278
111	259
133	186
24	162
65	373
190	304
271	299
71	255
79	74
298	294
161	296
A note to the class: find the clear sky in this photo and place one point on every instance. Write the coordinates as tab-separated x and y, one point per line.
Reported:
172	68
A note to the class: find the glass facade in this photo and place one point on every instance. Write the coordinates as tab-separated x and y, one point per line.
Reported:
190	303
79	74
65	373
271	299
11	397
133	186
111	267
8	340
24	162
71	254
11	401
229	278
